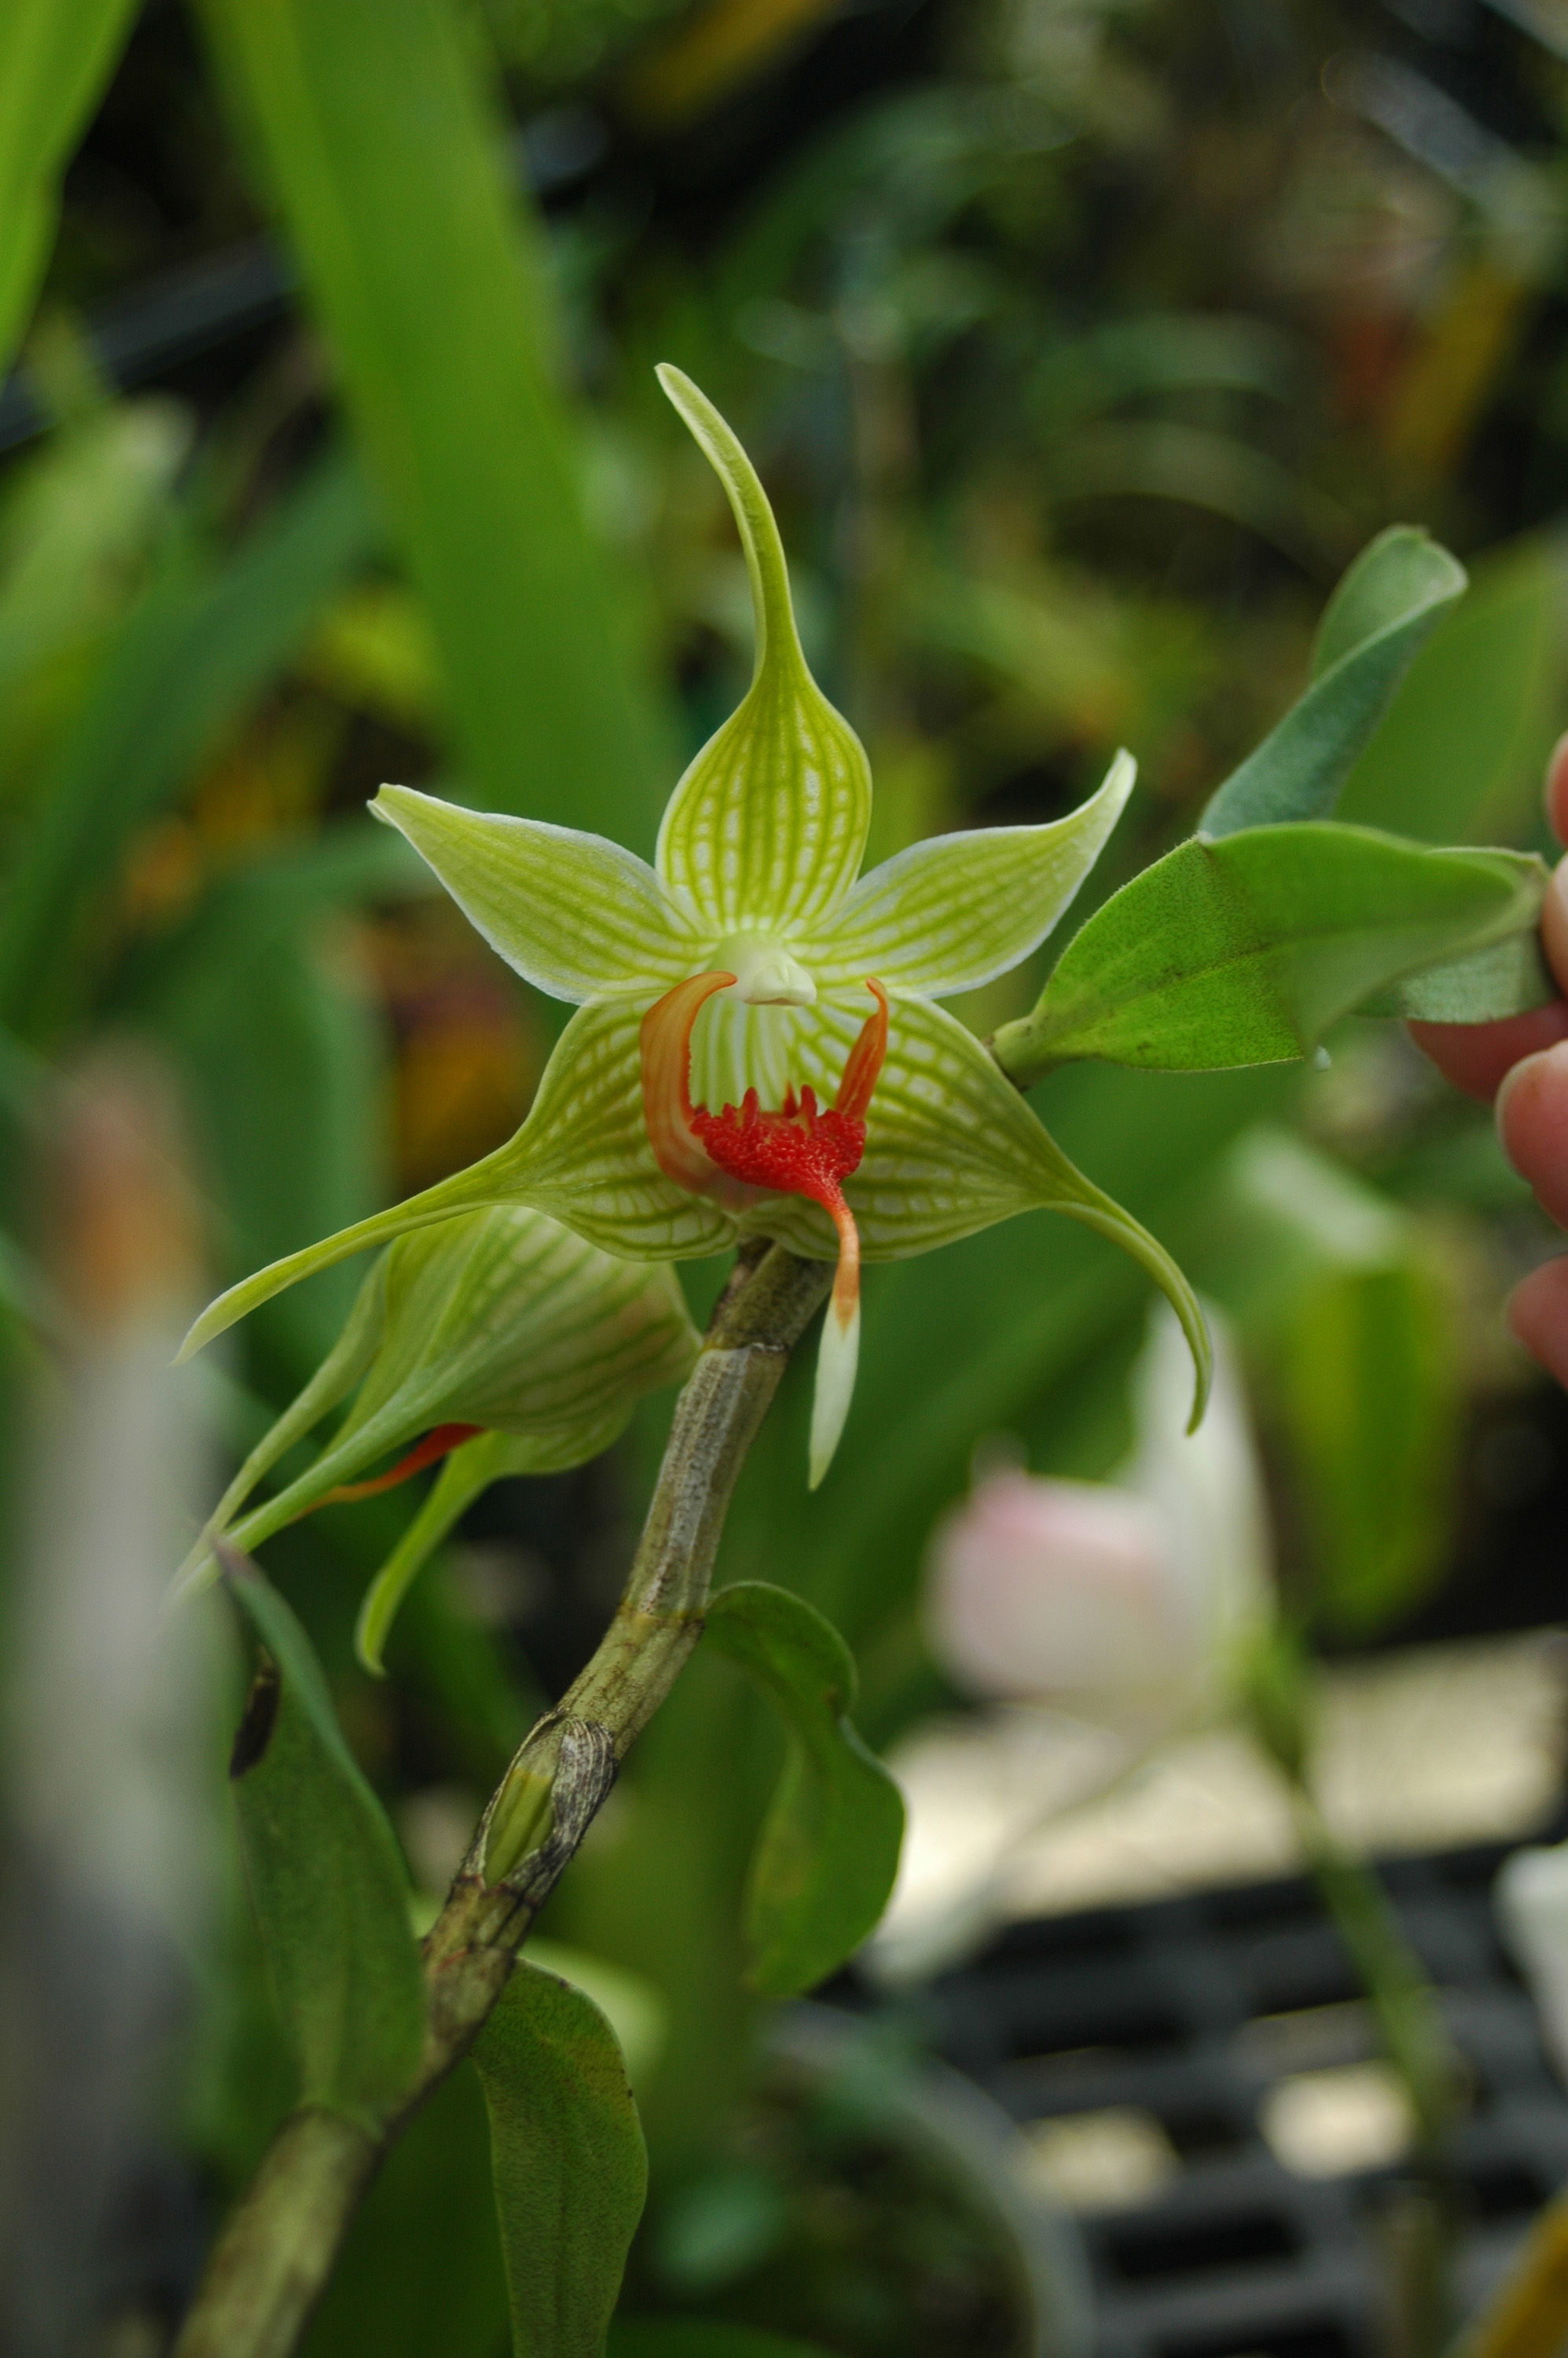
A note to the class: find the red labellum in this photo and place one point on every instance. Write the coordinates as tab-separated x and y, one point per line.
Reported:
749	1150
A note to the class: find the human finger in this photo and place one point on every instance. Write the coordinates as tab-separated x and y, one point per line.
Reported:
1533	1123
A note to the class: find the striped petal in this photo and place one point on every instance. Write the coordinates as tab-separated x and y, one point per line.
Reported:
583	1155
510	1321
958	910
501	1321
767	826
574	913
952	1147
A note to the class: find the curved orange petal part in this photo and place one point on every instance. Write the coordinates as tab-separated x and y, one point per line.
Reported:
665	1044
863	1066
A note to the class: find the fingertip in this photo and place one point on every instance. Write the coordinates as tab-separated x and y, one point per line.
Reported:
1532	1125
1538	1313
1477	1057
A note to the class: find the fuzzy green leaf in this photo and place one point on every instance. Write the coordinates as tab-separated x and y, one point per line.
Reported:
1375	625
569	2164
325	1874
1505	979
828	1852
1245	951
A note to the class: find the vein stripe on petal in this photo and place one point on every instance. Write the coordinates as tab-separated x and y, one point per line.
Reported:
958	910
575	914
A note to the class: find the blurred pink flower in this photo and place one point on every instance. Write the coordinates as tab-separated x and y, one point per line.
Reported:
1046	1587
1121	1602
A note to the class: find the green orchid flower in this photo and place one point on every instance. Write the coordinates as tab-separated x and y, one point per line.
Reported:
752	969
499	1340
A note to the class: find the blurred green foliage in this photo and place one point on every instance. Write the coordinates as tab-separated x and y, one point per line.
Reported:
1081	347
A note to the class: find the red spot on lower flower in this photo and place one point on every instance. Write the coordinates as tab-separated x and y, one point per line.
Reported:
436	1444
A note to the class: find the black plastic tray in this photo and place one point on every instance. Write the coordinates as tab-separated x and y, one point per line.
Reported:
1191	2009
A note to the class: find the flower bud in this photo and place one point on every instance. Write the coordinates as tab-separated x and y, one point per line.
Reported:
492	1323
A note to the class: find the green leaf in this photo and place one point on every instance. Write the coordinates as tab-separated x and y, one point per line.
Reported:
55	59
828	1852
1460	757
325	1875
702	2337
386	162
1372	632
1245	951
1345	1312
188	660
286	1057
1504	979
1367	1372
420	2271
570	2167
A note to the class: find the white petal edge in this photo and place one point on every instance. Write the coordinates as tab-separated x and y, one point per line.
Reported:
838	1357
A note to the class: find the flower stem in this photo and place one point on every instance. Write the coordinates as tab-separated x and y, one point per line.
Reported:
1418	2226
276	2251
1418	2236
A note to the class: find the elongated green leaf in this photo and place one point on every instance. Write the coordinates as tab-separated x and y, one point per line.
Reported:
570	2168
826	1855
387	167
325	1876
1245	951
1369	1374
702	2337
196	650
55	57
1374	624
284	1053
1459	758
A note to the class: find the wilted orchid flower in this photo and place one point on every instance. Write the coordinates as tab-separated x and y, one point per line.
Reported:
499	1337
1125	1602
757	1049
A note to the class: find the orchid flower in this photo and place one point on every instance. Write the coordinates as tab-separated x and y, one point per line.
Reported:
500	1341
757	1049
